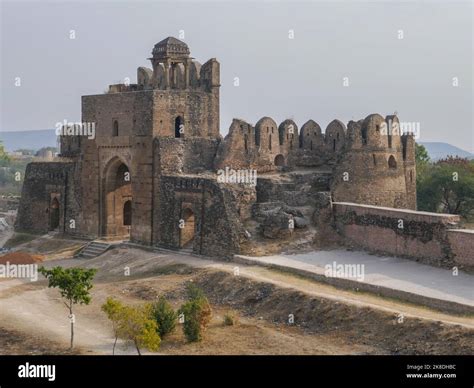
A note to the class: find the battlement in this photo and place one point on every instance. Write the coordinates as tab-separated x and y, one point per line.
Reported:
268	146
173	68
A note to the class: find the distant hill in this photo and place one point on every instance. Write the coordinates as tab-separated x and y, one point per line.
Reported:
442	150
14	140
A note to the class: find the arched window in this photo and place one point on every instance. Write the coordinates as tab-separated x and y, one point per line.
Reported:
115	128
392	163
270	142
178	126
279	160
127	213
364	135
375	160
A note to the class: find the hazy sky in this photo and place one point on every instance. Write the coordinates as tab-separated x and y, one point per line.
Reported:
298	78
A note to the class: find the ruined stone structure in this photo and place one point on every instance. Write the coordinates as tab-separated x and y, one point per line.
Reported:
151	170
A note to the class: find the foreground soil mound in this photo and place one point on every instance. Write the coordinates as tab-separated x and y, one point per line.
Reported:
20	258
393	333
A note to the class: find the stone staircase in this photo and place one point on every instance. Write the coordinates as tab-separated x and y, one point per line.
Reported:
187	250
94	249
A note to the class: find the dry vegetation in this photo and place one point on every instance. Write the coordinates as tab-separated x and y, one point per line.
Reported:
260	309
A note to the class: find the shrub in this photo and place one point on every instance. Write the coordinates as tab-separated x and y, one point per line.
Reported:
164	315
133	325
113	309
197	314
229	319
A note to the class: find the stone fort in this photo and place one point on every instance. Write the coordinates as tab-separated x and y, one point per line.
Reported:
151	172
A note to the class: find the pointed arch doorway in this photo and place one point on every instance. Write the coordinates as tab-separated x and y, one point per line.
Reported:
116	200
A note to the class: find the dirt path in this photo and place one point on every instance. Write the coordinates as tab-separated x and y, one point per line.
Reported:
35	310
307	286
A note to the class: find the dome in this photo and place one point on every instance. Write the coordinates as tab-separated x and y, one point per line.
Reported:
170	48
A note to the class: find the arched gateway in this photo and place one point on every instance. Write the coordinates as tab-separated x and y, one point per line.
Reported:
116	200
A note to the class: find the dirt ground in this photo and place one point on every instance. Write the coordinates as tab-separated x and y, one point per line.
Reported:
326	320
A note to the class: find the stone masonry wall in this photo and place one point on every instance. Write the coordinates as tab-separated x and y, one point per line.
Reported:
462	246
426	237
218	229
43	182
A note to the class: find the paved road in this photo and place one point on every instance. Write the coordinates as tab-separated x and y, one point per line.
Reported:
389	272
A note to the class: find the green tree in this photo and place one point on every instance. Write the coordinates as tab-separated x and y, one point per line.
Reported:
422	160
133	324
164	315
74	285
196	312
136	327
448	186
113	309
421	154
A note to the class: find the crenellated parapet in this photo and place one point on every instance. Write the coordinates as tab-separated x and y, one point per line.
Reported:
377	165
269	146
362	155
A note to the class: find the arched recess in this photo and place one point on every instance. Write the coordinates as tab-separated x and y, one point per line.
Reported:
392	163
187	231
115	129
116	199
127	213
279	160
54	214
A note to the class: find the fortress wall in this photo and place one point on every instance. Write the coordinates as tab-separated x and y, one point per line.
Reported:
188	155
406	233
170	154
238	150
131	111
216	209
43	182
199	154
362	145
198	108
258	147
366	178
462	245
